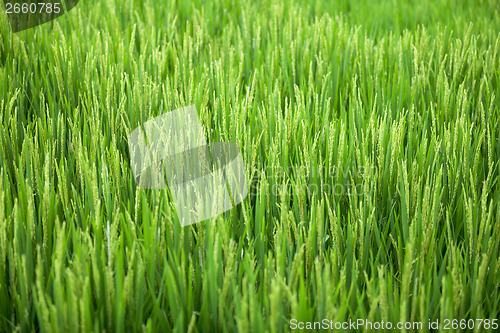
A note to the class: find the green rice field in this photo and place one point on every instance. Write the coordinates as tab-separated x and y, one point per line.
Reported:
370	135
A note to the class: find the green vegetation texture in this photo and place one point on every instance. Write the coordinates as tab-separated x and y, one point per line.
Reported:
370	134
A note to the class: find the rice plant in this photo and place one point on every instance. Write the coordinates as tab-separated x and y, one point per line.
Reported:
370	135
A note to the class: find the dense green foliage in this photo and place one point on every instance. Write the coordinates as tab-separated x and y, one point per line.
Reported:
370	135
